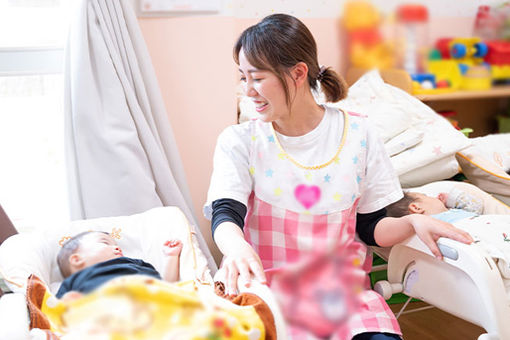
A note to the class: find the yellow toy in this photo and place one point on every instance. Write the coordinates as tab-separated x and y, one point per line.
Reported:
477	77
500	72
446	70
360	14
468	51
367	49
466	70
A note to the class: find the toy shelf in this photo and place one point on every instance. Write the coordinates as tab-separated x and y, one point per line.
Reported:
494	92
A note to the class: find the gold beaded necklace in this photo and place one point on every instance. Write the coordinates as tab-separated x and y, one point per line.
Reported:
313	167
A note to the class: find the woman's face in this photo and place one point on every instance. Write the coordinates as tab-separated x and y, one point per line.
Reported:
265	90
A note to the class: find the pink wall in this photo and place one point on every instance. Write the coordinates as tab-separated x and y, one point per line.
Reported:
196	74
192	57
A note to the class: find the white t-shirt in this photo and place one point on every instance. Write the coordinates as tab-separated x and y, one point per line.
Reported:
247	159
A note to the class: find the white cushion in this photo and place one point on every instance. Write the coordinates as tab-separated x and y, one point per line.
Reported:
483	172
387	105
495	148
440	169
440	139
503	198
371	96
140	236
404	141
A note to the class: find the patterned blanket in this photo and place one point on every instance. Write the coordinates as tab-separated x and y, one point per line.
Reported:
138	307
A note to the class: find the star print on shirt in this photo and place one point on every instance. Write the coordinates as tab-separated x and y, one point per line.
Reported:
278	191
253	138
327	178
269	173
308	176
337	197
358	179
363	143
270	139
252	170
354	126
355	159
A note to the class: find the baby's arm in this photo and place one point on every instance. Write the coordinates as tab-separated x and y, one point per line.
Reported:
460	199
172	250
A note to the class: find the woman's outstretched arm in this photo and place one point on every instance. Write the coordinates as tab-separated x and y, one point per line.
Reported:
239	257
390	231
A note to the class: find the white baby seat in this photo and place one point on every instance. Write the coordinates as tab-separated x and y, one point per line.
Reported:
140	236
467	283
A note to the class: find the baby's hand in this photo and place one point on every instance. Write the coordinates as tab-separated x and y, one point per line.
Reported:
443	197
172	247
71	296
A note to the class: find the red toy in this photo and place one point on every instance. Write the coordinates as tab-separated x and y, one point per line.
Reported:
499	52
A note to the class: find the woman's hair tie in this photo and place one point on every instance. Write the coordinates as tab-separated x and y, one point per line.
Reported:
322	71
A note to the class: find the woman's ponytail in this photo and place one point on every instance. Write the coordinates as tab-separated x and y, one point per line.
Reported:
333	86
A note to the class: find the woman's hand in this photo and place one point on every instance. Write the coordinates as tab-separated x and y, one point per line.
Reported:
430	229
241	261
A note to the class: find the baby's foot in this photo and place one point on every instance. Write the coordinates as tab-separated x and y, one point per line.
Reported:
172	247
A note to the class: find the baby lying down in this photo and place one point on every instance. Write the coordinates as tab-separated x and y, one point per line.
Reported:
492	232
93	258
107	295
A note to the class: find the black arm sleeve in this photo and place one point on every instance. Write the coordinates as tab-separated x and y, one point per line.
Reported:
365	225
227	209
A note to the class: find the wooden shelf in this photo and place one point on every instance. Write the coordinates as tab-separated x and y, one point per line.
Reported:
494	92
402	80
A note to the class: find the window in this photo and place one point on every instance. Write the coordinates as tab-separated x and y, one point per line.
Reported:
33	188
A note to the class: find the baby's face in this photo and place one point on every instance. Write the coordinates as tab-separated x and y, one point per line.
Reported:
98	247
431	205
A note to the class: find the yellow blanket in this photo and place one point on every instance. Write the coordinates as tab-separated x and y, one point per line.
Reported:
138	307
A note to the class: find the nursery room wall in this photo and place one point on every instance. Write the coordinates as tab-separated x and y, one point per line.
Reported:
192	57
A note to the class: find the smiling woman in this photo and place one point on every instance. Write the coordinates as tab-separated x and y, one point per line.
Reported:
32	176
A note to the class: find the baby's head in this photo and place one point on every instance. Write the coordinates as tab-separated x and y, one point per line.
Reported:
85	250
416	203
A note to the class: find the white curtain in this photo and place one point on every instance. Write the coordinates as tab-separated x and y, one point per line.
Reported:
121	153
